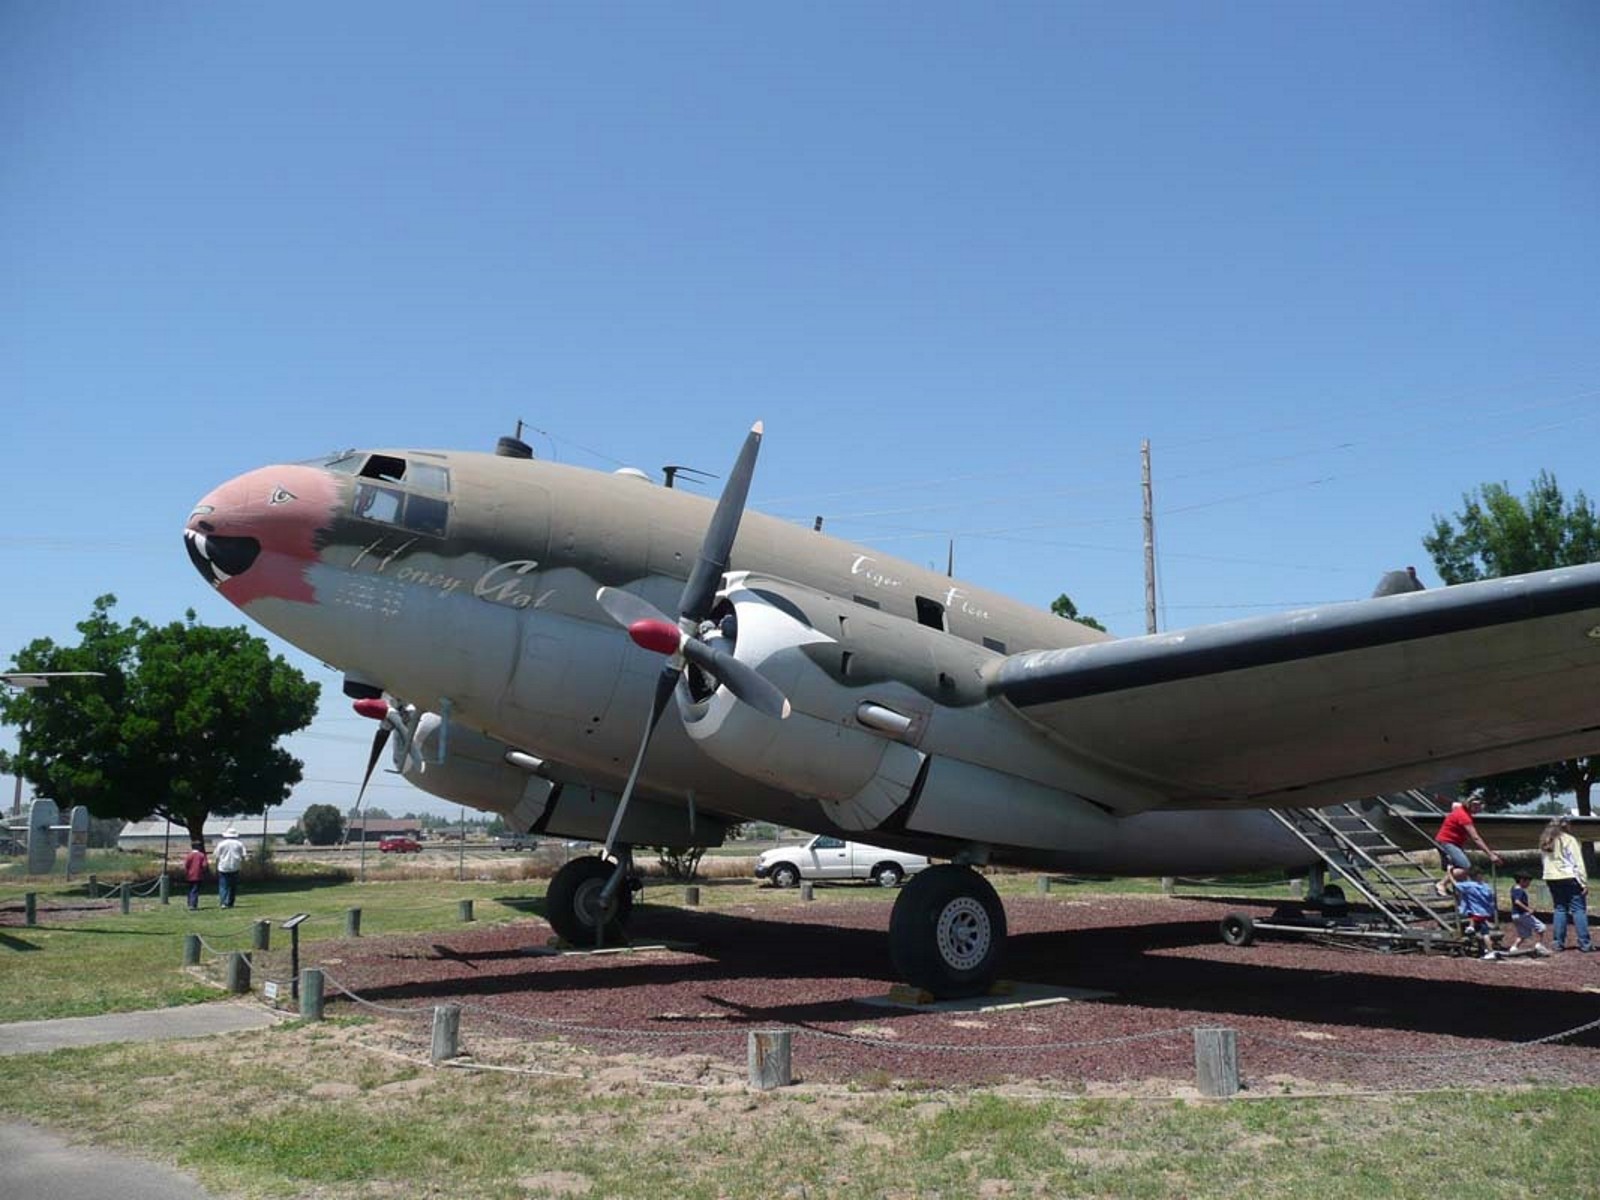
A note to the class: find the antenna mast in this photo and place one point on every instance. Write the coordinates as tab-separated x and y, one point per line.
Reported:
1149	540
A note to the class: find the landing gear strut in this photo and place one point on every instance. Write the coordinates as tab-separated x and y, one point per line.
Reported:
947	932
578	909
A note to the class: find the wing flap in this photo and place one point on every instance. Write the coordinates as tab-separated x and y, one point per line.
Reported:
1329	703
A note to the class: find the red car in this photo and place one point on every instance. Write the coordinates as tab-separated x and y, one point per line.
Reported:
399	845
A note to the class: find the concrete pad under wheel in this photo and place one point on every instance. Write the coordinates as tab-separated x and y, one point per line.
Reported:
560	949
1011	996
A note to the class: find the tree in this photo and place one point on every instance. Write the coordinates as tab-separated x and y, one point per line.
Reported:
1498	534
1063	607
324	825
184	724
680	863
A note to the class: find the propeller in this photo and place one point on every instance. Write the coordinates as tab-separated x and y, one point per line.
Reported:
377	710
685	642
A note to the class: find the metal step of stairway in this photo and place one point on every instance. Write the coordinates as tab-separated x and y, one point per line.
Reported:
1362	855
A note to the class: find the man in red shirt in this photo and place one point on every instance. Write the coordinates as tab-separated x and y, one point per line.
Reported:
1455	832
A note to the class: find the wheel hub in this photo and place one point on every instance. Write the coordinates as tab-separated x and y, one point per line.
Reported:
586	904
963	933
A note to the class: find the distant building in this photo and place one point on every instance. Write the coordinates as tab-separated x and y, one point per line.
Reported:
377	829
153	834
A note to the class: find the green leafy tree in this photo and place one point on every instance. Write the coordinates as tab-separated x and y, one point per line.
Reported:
183	725
323	824
1497	534
1063	607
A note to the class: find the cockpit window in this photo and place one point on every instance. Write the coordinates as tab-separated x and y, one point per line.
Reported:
382	466
378	504
426	477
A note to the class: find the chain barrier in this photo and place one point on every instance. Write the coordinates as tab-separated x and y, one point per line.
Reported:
1503	1048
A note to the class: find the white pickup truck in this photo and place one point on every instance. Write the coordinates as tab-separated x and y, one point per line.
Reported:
825	857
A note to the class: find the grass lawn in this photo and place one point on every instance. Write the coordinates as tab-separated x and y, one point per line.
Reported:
330	1110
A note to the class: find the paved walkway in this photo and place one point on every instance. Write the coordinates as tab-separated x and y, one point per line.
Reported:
157	1025
36	1164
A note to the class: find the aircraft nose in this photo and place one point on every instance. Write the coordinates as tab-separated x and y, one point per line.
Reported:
257	534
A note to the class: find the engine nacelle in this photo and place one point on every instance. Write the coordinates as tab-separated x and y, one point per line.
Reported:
891	724
487	774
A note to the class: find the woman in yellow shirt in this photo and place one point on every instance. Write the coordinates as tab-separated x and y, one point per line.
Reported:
1568	881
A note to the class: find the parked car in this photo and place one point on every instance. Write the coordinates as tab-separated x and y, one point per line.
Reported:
825	857
400	845
517	841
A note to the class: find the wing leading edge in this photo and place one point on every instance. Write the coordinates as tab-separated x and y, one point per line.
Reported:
1330	703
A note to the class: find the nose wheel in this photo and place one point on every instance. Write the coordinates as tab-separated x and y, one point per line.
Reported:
947	932
580	910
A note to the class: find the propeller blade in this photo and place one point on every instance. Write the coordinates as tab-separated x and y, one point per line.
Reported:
700	593
627	610
743	680
666	682
378	741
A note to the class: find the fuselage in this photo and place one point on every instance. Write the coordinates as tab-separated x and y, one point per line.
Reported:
464	584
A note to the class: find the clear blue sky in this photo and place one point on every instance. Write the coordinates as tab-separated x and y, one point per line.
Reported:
1340	263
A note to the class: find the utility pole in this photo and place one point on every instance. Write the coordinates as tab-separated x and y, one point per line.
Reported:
1149	541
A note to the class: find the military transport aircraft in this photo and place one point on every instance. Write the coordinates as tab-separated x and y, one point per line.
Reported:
472	601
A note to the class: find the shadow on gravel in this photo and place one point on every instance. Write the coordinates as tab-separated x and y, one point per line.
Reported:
827	961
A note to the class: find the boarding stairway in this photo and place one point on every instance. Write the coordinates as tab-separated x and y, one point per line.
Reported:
1354	842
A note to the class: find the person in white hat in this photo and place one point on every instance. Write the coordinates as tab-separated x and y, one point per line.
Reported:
230	857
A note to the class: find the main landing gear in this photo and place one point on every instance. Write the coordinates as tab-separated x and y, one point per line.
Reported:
947	932
577	908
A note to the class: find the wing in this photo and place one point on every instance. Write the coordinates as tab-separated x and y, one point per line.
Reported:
1331	703
38	679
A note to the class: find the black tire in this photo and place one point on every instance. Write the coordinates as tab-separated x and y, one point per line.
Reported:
947	933
570	904
784	875
1238	929
888	874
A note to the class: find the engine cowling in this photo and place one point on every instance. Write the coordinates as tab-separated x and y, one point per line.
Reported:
891	724
487	774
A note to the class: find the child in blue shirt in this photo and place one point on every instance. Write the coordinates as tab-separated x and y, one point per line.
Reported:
1475	901
1523	920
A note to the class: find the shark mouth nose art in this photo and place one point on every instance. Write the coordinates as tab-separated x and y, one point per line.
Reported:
220	558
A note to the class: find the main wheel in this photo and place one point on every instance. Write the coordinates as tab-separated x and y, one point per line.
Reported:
887	874
785	875
572	905
947	932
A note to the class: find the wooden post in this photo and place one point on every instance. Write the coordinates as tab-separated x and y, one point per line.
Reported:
770	1058
1044	885
262	935
806	892
446	1032
691	896
1168	885
125	895
191	949
464	909
166	888
1216	1062
352	922
238	980
30	908
94	888
311	994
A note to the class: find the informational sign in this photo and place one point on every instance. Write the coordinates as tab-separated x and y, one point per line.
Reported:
269	990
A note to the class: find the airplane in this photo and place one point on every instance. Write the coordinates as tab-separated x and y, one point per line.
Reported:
39	679
765	671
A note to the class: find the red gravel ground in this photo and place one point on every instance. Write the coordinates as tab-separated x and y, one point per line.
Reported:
1308	1016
